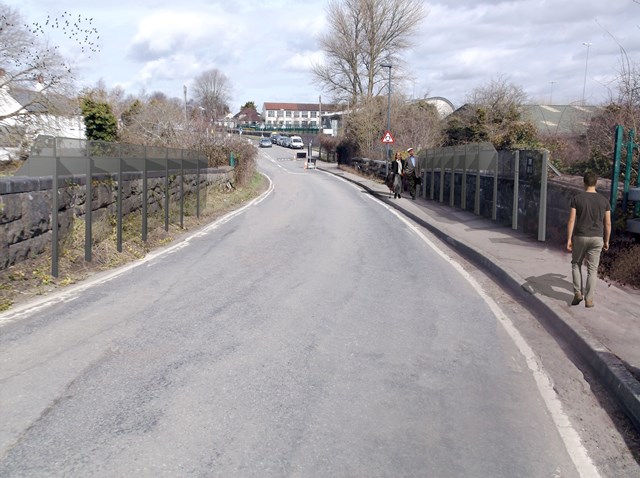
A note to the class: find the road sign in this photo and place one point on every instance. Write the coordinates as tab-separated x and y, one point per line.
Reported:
387	138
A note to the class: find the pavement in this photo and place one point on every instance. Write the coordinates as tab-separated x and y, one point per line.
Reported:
606	337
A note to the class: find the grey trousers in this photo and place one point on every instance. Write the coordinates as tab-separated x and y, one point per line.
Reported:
397	183
588	248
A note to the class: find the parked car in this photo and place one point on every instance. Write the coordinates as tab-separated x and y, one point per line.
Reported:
296	142
265	143
274	138
281	139
286	141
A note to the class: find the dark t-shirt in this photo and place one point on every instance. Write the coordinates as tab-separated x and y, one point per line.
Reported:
590	210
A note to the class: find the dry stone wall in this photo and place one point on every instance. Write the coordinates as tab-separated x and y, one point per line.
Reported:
25	205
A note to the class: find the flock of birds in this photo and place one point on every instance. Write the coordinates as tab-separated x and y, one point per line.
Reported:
77	29
27	55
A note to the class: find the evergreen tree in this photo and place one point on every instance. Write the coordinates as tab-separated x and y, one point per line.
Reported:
99	121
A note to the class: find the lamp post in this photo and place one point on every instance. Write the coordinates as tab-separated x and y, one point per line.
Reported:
551	94
388	65
586	65
184	89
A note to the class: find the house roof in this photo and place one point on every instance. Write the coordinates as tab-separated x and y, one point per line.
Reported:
298	106
248	115
29	99
560	119
554	119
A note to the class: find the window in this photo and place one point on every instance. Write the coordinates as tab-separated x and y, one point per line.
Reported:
288	114
271	113
314	114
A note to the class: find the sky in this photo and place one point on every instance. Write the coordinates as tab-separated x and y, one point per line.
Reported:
266	47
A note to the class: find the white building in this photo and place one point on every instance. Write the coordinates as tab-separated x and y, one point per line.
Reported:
293	115
27	117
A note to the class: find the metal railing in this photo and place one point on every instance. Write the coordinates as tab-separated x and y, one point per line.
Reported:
471	176
60	158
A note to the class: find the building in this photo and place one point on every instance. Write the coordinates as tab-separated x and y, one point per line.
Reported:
247	117
562	120
293	115
27	117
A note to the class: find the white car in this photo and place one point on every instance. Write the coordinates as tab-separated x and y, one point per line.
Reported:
296	142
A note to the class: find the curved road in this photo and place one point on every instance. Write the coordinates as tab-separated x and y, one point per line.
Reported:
314	334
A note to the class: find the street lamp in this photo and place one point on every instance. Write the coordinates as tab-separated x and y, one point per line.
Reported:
586	64
551	94
388	65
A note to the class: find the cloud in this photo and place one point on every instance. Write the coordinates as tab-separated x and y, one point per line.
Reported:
164	32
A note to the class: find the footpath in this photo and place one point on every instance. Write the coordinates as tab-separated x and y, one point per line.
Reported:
606	337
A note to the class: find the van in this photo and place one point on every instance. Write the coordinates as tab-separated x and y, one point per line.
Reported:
296	142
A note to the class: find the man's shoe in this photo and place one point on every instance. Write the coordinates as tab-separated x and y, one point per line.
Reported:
400	196
413	197
576	299
588	303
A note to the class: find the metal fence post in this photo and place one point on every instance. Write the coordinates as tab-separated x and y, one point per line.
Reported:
54	211
119	201
433	177
145	194
88	206
627	175
441	195
181	189
494	209
617	152
452	181
516	192
463	192
166	189
476	202
542	213
198	187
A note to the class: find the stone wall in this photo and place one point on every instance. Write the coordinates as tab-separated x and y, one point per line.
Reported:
25	204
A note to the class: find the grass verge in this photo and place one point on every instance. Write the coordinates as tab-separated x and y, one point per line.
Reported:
31	278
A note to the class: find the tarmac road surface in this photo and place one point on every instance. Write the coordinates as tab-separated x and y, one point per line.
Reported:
314	334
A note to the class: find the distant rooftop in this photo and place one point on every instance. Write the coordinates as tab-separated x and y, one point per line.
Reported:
560	119
299	106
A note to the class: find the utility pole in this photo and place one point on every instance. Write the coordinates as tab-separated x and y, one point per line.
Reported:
586	65
185	103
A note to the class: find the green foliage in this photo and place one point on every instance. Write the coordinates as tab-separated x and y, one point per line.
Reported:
480	124
493	114
249	104
245	153
100	122
130	113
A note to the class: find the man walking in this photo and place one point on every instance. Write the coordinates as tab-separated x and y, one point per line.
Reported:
413	172
588	234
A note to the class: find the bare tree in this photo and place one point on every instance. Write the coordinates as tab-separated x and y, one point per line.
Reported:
418	125
35	80
212	90
362	35
493	114
155	120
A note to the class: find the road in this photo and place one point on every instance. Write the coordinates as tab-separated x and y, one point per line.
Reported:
312	334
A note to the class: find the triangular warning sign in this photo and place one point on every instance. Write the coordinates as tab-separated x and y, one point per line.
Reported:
387	138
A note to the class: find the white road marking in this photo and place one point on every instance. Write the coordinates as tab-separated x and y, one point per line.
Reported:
572	442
